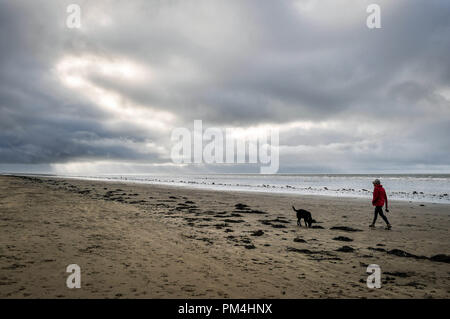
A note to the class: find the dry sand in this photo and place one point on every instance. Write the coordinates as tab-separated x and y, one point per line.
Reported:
145	241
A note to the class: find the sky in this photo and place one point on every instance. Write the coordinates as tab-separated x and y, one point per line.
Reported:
104	98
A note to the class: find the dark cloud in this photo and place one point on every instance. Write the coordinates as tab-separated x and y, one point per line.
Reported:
362	99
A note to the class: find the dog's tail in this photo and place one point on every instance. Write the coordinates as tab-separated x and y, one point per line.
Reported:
293	208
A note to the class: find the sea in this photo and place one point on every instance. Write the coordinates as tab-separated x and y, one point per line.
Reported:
431	188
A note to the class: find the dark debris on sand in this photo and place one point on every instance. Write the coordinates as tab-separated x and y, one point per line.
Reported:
314	255
275	223
441	258
345	228
399	274
257	233
342	238
346	249
401	253
244	209
240	206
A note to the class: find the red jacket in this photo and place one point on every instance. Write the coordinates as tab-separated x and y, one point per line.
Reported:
379	196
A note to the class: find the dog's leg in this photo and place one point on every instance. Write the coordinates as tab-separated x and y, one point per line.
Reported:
299	223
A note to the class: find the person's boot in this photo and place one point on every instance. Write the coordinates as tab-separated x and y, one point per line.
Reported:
372	226
388	226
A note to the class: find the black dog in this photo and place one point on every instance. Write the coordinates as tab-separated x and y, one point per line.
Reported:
301	213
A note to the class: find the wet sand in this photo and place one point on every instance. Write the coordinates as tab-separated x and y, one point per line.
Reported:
147	241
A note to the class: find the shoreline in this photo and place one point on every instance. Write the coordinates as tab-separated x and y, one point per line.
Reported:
153	241
243	190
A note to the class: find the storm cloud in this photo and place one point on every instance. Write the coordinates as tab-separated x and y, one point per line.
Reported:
105	97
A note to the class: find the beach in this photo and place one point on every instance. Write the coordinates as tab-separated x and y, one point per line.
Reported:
134	240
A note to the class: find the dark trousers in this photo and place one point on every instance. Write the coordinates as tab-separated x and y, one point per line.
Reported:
379	210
